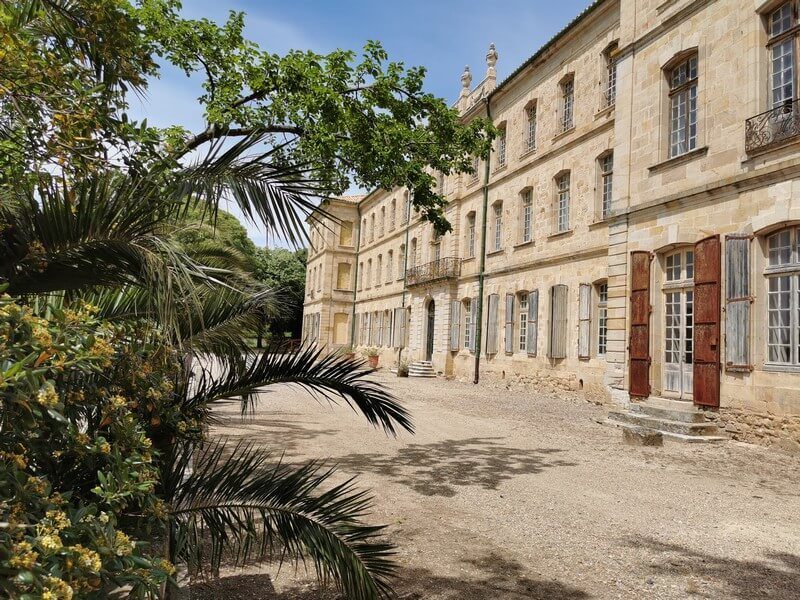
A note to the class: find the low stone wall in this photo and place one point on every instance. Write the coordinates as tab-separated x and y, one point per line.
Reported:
758	428
545	381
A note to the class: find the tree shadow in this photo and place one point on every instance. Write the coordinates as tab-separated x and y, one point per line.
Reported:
776	577
487	576
271	432
436	469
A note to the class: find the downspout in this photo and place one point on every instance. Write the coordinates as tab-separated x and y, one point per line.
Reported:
405	272
355	278
479	311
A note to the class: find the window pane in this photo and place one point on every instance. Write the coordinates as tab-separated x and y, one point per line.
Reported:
781	19
523	321
780	249
778	319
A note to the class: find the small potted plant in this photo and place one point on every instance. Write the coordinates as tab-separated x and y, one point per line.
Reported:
372	355
402	368
348	352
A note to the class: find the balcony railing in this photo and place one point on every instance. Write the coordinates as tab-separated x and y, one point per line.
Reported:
444	268
776	126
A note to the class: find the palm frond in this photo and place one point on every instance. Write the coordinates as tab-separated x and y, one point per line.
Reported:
329	377
246	506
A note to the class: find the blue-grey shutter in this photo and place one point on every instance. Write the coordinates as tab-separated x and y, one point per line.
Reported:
455	321
584	319
509	331
491	324
473	324
533	322
738	301
558	321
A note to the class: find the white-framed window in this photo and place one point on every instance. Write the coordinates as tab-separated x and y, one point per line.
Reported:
471	235
501	147
379	270
369	273
364	231
436	248
567	104
408	209
602	318
683	107
522	329
526	215
783	297
781	24
530	130
393	215
413	252
401	259
497	226
562	203
476	163
468	323
610	83
606	163
678	293
389	265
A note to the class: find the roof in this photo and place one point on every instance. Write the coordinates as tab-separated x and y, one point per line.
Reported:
539	53
352	198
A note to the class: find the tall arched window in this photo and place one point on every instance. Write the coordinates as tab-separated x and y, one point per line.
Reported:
783	288
678	292
497	226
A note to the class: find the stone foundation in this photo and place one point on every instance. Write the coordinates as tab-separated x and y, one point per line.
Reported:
544	381
759	428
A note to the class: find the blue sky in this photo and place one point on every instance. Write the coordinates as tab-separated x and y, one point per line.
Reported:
442	35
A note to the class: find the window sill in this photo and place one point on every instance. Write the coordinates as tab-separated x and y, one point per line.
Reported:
342	290
468	259
523	244
565	233
679	160
604	112
528	152
500	168
494	252
564	133
778	368
599	223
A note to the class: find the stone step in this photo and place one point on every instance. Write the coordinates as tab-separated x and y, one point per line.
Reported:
668	403
422	368
687	416
664	425
669	435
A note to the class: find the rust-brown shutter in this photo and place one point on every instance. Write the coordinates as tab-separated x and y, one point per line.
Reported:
707	293
639	347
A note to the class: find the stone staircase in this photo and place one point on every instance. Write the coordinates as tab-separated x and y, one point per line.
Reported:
421	368
674	419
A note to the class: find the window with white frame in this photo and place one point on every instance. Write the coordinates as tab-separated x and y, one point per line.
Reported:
369	273
401	261
562	203
602	318
471	235
783	34
522	329
393	215
436	247
501	147
389	265
567	104
606	163
468	323
413	252
476	163
783	297
530	131
526	216
678	292
610	91
408	209
683	107
497	226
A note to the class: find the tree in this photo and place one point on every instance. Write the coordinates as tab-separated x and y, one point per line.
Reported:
283	271
91	211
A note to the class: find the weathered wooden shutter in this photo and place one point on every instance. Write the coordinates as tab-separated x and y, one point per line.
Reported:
369	329
584	319
558	321
509	332
533	322
737	303
639	346
707	293
354	332
455	322
397	340
491	324
473	324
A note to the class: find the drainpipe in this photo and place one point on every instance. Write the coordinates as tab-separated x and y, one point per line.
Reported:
357	233
405	273
481	276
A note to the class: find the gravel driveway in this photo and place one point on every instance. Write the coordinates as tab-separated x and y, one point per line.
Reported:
507	494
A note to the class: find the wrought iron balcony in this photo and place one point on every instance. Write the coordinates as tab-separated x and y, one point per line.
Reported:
444	268
776	126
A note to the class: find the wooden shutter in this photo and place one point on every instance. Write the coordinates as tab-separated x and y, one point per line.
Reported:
533	322
707	293
354	331
584	319
509	332
455	322
369	329
491	324
639	345
737	303
398	317
474	324
558	321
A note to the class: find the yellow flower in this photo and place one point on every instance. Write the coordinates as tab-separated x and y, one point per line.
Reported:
167	567
123	545
48	397
58	589
105	448
58	518
103	518
23	556
83	439
87	559
118	402
50	541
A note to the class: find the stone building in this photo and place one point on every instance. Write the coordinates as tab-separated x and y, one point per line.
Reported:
634	233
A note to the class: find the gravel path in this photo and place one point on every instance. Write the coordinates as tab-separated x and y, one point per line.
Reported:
505	494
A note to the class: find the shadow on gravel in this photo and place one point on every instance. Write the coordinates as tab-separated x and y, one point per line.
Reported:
437	469
488	577
777	577
271	433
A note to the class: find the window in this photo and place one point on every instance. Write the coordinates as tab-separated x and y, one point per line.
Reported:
683	107
602	319
679	324
408	209
471	235
360	276
562	203
346	233
476	163
606	183
558	321
567	104
389	265
501	148
468	323
522	330
319	281
343	276
383	221
436	248
527	216
369	273
781	45
372	227
364	231
530	132
402	257
379	270
610	91
393	214
497	227
413	252
783	298
340	328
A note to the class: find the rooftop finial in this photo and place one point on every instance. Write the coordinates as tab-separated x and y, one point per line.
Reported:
466	78
491	60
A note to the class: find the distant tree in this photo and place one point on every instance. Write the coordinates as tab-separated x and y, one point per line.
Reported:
285	272
223	229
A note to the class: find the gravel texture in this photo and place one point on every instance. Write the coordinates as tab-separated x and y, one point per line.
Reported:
510	494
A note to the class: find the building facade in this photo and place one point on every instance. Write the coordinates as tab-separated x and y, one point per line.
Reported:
635	232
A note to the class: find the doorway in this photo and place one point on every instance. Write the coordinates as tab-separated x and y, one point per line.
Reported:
431	321
679	325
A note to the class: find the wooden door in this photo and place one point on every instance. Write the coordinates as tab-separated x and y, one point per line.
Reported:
639	344
707	292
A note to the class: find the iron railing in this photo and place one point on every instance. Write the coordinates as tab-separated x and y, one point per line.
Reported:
775	126
444	268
